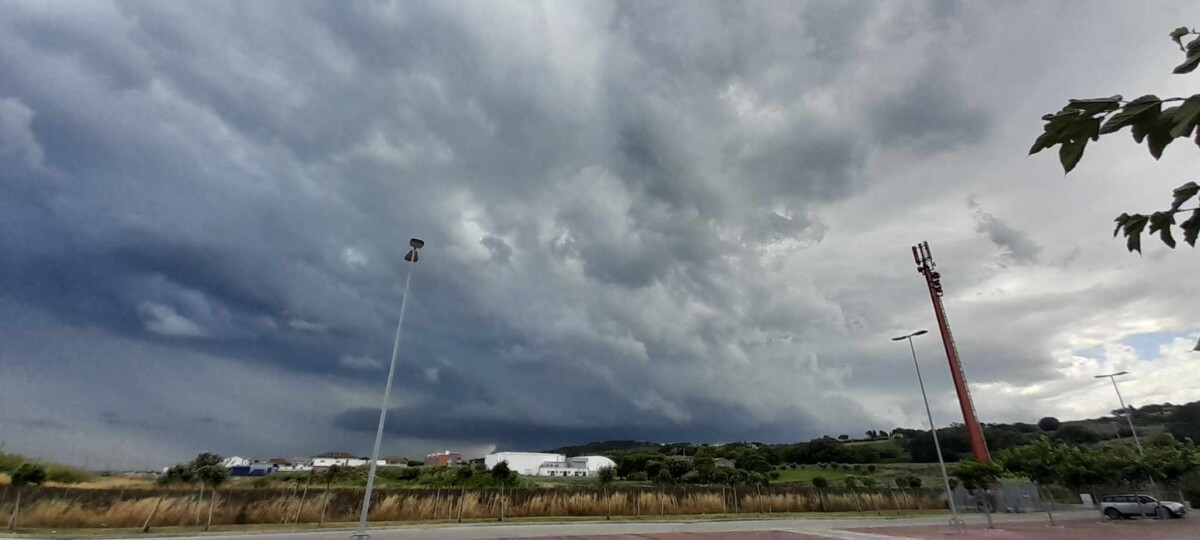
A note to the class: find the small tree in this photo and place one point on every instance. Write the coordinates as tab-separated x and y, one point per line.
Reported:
843	437
976	476
663	477
501	472
1048	424
914	482
606	476
820	482
25	475
464	474
210	472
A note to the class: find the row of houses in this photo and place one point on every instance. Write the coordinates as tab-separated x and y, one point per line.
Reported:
240	466
523	463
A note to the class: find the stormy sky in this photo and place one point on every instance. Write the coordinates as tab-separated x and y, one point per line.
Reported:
644	220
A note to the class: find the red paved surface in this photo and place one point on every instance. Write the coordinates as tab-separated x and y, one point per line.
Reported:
1176	529
746	535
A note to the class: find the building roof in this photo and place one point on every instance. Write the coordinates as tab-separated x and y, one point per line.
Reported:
336	455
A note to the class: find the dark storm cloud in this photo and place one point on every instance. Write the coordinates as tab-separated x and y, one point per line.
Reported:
612	196
714	422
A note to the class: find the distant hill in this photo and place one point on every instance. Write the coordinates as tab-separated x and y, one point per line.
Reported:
1179	420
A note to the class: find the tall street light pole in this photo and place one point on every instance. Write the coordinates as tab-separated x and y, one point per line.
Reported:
416	244
1113	377
957	523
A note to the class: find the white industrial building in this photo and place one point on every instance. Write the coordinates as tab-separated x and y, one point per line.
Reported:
235	461
539	464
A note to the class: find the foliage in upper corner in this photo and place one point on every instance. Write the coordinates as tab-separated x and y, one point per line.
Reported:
1083	120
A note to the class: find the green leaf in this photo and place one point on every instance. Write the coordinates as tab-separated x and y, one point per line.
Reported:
1141	128
1159	135
1193	58
1133	112
1121	220
1133	227
1191	228
1042	143
1183	193
1092	107
1070	153
1177	35
1160	222
1186	117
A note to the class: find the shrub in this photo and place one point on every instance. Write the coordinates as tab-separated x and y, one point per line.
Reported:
871	469
820	482
639	476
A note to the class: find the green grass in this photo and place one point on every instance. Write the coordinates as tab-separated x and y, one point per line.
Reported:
885	475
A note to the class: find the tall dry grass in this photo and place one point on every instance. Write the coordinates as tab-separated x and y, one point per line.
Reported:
99	508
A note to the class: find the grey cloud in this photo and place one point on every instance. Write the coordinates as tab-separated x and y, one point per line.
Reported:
41	424
500	251
1016	244
20	151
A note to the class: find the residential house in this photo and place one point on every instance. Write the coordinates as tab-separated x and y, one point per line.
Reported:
443	459
341	459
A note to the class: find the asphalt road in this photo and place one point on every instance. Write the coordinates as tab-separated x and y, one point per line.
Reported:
818	528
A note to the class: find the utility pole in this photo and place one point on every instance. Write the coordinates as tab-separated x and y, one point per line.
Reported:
933	279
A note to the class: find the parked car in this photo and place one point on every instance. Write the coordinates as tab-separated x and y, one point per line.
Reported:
1129	505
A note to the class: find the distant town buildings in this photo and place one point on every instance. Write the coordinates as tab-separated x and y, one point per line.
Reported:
540	464
240	466
443	459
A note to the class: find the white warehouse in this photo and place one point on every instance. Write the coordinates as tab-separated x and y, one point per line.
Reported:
539	464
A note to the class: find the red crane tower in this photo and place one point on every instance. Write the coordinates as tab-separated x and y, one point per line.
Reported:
933	279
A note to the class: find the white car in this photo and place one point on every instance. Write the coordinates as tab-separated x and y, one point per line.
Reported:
1124	506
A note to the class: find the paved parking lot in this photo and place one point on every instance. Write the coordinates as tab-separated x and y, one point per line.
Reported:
1147	529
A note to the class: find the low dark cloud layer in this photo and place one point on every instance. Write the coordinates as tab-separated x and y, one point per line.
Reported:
644	220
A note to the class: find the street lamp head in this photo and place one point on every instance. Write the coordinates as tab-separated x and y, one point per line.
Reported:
416	244
1117	374
914	334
